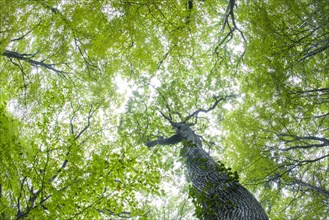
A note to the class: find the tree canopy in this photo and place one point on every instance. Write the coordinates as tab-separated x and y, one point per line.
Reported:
85	84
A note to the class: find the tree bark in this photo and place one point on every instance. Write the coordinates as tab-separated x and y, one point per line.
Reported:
217	194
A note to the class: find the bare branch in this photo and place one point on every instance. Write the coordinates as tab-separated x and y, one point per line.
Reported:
101	197
90	115
65	162
303	162
309	186
300	138
27	33
195	114
27	58
304	147
163	59
122	214
314	49
167	118
19	212
72	118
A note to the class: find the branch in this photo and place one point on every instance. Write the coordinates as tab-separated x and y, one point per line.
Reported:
72	118
25	85
230	23
27	58
312	187
304	147
311	52
167	118
88	207
324	90
311	160
85	56
122	214
54	10
19	212
65	162
176	138
163	59
90	115
27	33
298	138
195	114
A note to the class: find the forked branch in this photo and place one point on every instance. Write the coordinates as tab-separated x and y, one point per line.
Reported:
195	114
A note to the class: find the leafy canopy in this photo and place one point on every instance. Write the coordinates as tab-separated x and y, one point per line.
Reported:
82	84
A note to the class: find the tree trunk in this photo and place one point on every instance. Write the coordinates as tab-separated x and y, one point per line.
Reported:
216	192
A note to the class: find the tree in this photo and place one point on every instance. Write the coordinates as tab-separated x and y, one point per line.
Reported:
73	138
215	190
285	149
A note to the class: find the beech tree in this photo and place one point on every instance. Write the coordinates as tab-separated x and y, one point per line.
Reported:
216	191
238	90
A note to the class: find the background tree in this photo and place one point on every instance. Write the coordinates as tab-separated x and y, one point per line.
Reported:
285	84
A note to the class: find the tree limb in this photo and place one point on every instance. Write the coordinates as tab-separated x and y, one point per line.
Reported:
309	186
176	138
27	58
195	114
304	147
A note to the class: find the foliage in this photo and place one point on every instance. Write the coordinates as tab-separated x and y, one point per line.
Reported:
82	84
285	150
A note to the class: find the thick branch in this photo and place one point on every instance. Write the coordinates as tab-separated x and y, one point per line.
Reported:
167	141
27	58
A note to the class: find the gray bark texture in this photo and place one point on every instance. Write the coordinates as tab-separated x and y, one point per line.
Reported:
219	196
